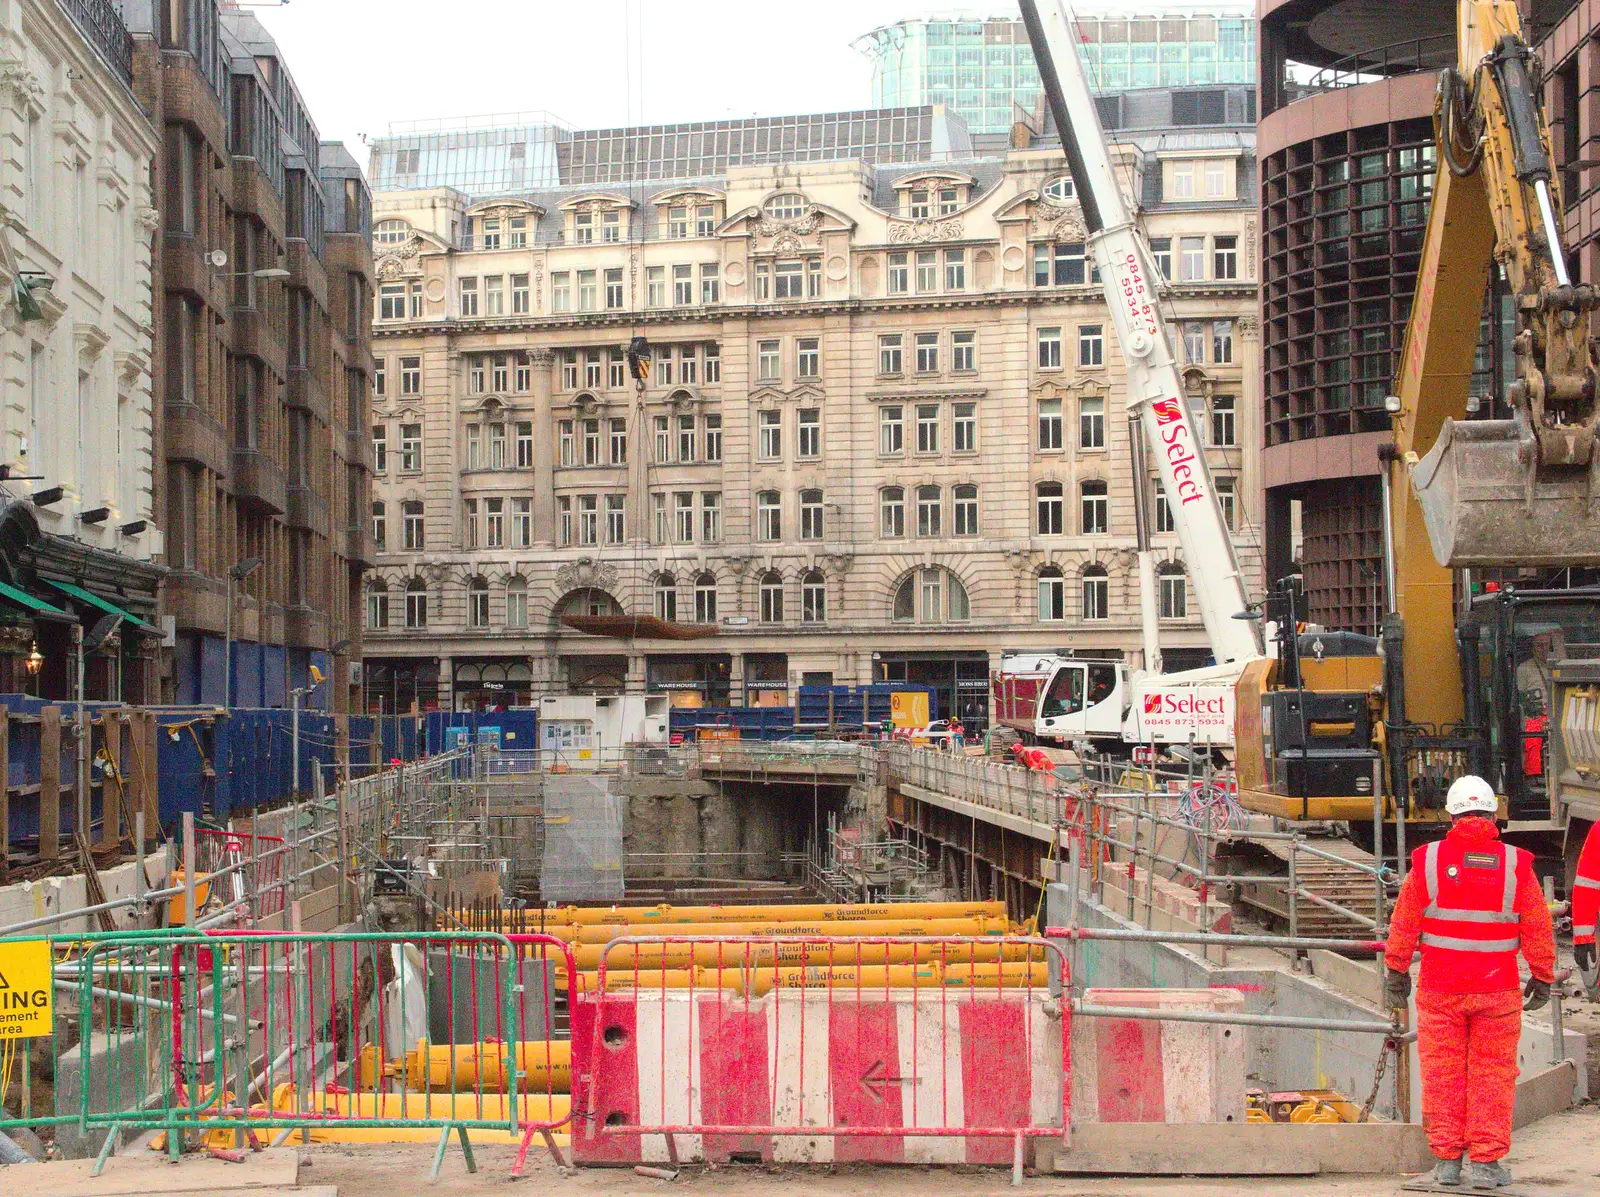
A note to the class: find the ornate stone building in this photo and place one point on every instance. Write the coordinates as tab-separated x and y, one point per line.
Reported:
78	531
883	435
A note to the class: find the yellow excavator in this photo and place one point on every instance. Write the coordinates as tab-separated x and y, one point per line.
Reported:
1470	673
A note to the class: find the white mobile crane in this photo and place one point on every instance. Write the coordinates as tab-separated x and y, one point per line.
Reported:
1052	697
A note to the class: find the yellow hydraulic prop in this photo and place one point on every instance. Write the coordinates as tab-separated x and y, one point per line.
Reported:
600	933
546	1066
846	913
758	981
490	1107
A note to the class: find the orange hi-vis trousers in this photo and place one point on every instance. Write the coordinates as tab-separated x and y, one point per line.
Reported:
1467	1045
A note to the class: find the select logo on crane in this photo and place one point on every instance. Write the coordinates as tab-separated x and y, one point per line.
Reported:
1189	703
1175	435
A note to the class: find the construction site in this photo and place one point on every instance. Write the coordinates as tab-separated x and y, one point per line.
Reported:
1143	931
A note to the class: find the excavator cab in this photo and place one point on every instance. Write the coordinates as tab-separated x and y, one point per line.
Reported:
1520	651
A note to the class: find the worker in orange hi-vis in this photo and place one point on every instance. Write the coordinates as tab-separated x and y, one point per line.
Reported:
1586	906
1473	903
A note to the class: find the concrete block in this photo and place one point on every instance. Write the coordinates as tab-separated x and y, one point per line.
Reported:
1348	976
1140	1070
1241	1149
1547	1091
119	1078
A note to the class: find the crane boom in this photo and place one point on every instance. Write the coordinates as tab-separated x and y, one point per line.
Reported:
1154	386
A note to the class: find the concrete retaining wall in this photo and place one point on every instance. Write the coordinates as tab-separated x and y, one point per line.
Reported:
34	899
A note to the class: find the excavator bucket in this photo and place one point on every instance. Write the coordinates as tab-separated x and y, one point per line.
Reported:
1486	503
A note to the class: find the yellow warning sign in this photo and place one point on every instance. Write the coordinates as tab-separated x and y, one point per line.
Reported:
26	992
909	708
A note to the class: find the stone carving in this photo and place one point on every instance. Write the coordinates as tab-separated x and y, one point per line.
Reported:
148	218
802	226
910	232
586	573
1248	326
27	91
786	243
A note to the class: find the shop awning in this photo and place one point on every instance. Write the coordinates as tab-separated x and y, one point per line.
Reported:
23	599
94	600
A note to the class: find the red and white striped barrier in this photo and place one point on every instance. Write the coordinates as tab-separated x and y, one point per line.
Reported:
1139	1070
816	1075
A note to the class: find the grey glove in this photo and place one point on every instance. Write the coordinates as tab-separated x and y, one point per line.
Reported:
1536	992
1396	989
1583	957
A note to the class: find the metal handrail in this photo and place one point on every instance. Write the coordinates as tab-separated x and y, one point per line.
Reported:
1409	57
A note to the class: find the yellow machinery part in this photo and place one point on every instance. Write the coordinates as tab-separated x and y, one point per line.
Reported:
1010	974
546	1066
761	980
177	906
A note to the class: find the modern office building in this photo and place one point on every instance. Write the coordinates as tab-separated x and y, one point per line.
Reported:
881	437
263	365
982	68
79	534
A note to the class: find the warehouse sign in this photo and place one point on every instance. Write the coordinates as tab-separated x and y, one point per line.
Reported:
26	988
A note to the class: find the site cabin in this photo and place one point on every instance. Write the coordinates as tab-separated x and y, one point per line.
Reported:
1051	699
588	723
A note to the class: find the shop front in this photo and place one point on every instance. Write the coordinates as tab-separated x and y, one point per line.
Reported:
491	683
691	679
396	685
960	682
766	680
598	674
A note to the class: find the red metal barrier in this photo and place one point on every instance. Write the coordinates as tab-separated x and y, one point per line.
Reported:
807	1048
260	862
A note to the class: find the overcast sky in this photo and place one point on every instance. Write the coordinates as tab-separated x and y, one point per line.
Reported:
363	63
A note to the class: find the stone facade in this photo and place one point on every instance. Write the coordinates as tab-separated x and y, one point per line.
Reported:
884	435
75	360
263	361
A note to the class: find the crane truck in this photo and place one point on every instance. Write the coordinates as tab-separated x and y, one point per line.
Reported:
1047	696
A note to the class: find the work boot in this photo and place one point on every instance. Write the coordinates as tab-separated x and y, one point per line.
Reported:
1447	1172
1487	1176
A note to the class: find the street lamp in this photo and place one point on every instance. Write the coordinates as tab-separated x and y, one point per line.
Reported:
236	573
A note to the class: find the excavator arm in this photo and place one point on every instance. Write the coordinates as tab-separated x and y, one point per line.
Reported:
1522	490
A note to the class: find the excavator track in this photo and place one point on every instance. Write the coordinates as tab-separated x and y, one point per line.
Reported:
1344	884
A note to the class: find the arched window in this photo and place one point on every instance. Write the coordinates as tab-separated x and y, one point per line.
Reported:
930	511
1051	506
1173	586
390	232
416	603
1060	188
772	597
813	598
587	600
705	598
666	597
931	595
477	603
377	605
516	602
1096	593
1052	594
790	205
892	511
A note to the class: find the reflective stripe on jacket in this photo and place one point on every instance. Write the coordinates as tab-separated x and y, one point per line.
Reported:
1471	902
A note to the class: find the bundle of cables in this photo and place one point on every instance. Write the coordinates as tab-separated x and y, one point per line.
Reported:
1209	804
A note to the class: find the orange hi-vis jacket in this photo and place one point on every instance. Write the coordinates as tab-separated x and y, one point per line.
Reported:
1586	889
1473	903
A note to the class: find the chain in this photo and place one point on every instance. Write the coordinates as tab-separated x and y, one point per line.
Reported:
1389	1045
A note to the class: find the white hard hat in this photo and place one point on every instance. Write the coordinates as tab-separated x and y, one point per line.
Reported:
1471	793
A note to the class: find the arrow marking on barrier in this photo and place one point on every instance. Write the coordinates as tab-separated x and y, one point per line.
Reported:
875	1079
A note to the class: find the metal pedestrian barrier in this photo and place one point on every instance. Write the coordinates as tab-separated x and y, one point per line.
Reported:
217	1039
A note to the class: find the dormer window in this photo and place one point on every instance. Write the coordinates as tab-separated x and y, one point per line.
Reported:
921	208
791	205
390	232
949	200
705	219
517	233
583	227
923	197
1060	188
491	232
678	222
611	225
